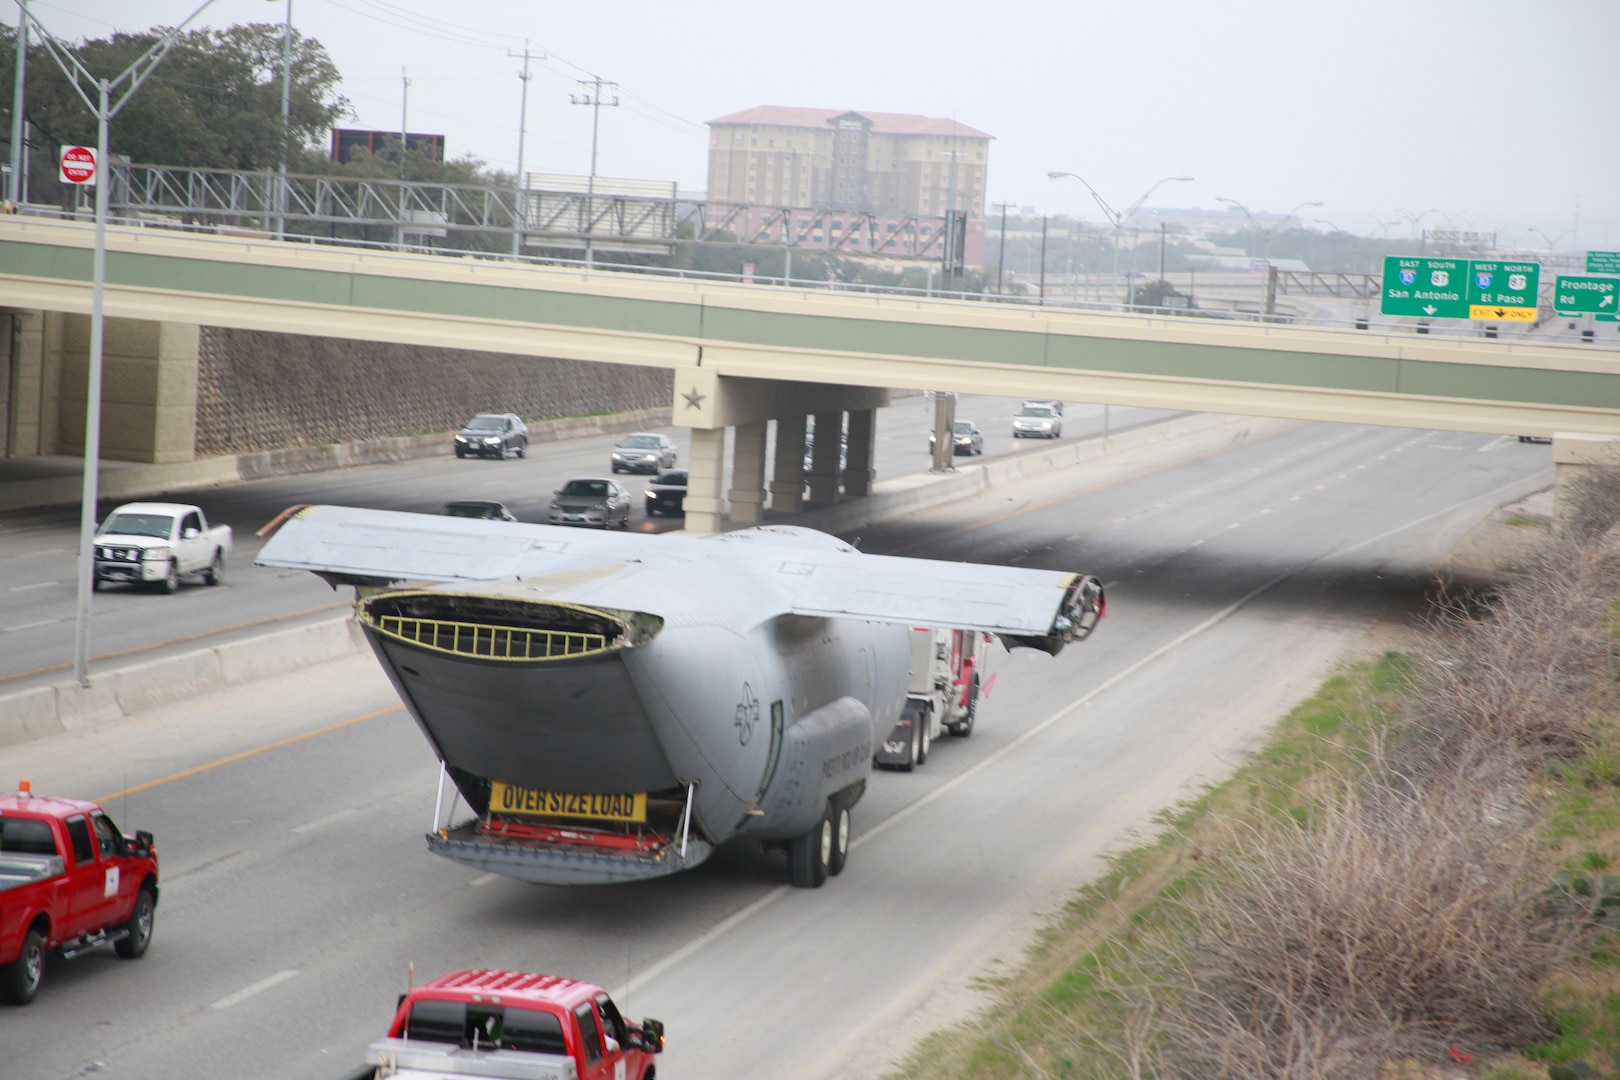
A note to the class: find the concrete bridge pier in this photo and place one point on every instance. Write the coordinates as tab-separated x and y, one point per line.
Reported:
1575	455
709	403
149	386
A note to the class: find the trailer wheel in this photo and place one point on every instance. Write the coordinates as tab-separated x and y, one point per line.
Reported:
925	736
810	855
139	926
840	846
20	979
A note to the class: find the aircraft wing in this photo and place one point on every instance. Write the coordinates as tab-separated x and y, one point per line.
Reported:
816	574
351	546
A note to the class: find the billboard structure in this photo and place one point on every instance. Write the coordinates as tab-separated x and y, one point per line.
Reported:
384	144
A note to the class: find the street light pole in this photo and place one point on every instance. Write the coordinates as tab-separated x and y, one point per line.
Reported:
519	214
104	109
1116	218
286	113
15	192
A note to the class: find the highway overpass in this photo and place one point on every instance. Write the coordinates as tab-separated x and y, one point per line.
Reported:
743	355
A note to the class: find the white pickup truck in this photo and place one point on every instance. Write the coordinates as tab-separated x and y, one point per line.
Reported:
160	543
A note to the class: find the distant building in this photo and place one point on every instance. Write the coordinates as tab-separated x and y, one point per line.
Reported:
891	166
881	163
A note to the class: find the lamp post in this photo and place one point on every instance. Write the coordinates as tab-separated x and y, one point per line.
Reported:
1253	224
1116	218
104	108
15	192
1552	241
1417	222
280	199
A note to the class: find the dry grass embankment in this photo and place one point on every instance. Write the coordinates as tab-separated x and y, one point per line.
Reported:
1409	882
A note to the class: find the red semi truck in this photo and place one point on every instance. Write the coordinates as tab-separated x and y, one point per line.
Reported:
69	881
515	1026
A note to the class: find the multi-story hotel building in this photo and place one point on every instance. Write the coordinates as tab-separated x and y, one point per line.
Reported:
890	164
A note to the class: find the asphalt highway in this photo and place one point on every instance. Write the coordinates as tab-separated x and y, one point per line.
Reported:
298	900
38	551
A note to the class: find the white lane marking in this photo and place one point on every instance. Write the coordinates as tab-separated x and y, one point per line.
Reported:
257	988
1235	525
1497	443
35	585
311	826
483	879
1294	498
1267	510
32	625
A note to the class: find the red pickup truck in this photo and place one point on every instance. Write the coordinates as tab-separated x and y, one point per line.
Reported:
69	880
511	1024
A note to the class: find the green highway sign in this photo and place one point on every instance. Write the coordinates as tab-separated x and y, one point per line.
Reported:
1503	290
1603	262
1460	289
1576	295
1425	288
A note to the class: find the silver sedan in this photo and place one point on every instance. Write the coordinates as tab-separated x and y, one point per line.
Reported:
590	500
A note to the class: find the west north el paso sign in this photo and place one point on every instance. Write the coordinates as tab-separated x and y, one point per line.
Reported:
1425	288
1460	289
1503	290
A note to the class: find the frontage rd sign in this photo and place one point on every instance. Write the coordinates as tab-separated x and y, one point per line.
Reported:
1460	289
78	165
1581	295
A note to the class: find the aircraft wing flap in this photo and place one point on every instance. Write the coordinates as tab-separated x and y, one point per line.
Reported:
924	592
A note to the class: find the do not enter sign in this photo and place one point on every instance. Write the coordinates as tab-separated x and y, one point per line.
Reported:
78	165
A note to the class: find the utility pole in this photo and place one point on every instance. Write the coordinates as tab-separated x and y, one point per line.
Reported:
15	192
1161	261
593	98
1043	259
404	144
1001	247
520	217
286	113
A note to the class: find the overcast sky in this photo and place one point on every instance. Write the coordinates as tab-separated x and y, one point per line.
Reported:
1493	114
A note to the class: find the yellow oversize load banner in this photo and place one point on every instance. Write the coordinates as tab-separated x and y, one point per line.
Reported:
511	799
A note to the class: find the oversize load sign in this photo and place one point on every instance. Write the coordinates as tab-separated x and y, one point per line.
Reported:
512	799
78	165
1460	289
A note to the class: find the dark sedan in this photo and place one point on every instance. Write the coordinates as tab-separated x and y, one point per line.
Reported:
493	435
667	494
477	508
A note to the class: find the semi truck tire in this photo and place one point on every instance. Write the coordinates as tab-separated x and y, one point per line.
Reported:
964	727
20	979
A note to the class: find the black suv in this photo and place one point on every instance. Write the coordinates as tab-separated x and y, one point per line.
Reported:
493	435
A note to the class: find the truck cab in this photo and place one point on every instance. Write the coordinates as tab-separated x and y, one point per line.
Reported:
159	543
70	881
515	1026
947	680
